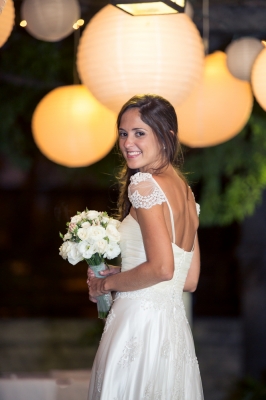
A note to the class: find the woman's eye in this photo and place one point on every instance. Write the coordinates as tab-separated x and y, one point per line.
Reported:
140	133
122	134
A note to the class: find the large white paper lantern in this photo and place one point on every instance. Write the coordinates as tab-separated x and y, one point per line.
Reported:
72	128
241	55
120	56
7	18
50	20
217	109
258	79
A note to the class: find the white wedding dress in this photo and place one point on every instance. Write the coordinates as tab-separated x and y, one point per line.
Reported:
147	351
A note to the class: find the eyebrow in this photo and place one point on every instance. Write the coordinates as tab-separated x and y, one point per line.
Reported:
134	129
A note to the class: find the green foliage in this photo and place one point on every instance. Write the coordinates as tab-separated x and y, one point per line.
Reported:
231	177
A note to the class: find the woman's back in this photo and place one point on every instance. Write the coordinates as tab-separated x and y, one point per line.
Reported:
183	206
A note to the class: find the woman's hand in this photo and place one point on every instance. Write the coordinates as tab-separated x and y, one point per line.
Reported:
96	287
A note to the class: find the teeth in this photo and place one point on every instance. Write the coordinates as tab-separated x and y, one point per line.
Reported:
133	153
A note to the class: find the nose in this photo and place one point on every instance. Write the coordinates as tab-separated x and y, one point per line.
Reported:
128	142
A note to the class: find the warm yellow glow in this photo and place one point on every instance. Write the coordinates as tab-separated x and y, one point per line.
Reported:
155	8
7	19
180	3
23	23
263	42
120	56
80	22
258	78
72	128
76	26
217	109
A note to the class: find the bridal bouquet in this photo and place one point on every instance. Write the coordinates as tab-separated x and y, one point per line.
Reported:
92	236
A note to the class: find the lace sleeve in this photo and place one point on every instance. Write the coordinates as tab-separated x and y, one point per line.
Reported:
143	191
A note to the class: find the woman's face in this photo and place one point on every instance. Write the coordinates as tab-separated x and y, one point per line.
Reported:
137	142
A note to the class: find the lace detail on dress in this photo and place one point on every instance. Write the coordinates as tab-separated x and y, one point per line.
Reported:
140	177
130	352
148	395
143	191
165	352
110	318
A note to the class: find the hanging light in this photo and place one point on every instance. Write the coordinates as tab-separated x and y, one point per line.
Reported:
150	7
50	20
217	109
241	54
120	56
72	128
258	78
7	19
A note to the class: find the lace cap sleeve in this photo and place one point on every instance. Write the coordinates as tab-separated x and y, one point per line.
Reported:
143	191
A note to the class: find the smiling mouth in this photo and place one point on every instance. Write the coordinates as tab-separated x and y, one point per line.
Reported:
132	154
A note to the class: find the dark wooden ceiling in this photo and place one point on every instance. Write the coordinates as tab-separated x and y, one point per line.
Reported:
229	19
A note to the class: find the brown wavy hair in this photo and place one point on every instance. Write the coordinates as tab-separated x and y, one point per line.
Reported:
160	115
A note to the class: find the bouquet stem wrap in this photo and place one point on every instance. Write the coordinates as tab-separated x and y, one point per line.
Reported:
104	301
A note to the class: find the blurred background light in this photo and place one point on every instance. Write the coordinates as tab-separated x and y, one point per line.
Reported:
241	54
7	19
217	109
50	20
72	128
258	79
120	55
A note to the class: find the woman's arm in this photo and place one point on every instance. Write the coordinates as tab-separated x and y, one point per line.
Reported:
194	270
160	260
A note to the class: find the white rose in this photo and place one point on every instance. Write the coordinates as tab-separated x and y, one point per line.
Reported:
105	220
112	233
65	249
86	249
76	219
100	246
114	222
85	224
92	214
74	256
67	236
112	251
84	233
96	233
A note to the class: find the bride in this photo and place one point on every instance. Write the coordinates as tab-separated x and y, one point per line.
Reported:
146	350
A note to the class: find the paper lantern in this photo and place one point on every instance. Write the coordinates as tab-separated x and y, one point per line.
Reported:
50	20
217	109
241	55
258	79
72	128
7	18
120	56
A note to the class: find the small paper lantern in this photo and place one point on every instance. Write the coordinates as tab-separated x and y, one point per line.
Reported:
258	78
72	128
7	18
217	109
120	55
241	55
50	20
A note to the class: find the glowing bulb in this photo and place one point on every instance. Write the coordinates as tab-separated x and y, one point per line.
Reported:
75	26
23	23
263	42
80	22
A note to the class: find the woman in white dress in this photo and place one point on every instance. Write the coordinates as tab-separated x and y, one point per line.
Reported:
146	350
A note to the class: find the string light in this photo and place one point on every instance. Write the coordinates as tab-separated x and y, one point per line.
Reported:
23	23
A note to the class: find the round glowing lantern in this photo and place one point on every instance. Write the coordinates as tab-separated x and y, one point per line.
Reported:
120	56
258	79
241	55
72	128
7	18
217	109
50	20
